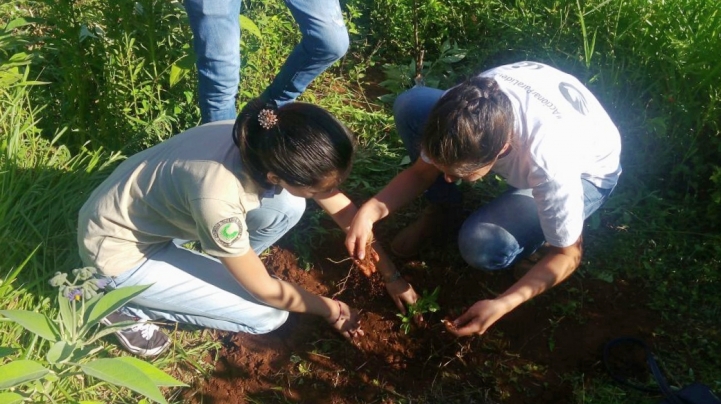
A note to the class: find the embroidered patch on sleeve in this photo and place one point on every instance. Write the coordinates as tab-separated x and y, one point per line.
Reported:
226	231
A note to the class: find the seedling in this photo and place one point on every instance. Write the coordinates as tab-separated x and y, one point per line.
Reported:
426	303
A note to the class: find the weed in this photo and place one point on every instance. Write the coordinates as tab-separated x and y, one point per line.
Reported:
72	337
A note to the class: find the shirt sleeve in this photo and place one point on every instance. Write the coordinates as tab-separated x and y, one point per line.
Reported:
221	227
560	210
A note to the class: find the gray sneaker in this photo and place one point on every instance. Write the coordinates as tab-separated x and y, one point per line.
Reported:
143	338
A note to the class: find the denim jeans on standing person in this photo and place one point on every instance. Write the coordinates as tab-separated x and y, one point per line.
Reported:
500	232
192	288
216	40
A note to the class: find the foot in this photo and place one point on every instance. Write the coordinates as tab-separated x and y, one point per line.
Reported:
436	219
143	338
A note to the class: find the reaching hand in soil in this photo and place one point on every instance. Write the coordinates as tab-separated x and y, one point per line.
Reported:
346	321
402	292
477	319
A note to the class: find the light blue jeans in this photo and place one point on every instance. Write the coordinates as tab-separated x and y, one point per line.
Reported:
192	288
216	40
499	233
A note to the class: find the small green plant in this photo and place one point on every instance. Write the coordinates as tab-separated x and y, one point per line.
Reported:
427	303
72	337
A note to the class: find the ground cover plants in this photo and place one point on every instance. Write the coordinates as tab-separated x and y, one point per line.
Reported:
84	83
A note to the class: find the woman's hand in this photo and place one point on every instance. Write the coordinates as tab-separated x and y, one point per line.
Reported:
402	293
346	321
478	318
360	233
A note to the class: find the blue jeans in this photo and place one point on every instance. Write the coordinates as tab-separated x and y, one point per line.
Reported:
192	288
499	233
216	40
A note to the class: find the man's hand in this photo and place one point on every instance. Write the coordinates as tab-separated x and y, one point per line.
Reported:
478	318
557	265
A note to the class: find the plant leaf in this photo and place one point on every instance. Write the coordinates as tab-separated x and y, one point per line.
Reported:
120	373
6	351
61	351
66	315
158	377
247	25
33	322
176	74
111	329
10	398
110	302
18	22
19	372
85	352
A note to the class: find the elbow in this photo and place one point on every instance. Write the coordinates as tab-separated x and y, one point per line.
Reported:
575	252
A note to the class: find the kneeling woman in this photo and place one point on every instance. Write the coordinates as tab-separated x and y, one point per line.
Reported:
236	187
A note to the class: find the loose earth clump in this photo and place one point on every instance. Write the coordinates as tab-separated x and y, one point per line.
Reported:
533	355
367	265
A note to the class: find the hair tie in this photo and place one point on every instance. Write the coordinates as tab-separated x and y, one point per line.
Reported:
267	118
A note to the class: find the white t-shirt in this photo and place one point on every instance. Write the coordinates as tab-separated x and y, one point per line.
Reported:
190	187
562	134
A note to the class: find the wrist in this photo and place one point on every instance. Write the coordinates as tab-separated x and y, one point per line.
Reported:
392	277
373	211
334	318
509	302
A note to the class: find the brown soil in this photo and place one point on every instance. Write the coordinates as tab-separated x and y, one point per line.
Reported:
536	354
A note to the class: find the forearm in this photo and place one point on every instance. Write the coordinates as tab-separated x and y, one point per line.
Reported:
551	270
385	265
339	207
403	189
287	296
250	272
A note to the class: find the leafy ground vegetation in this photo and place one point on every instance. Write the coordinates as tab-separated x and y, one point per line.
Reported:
84	83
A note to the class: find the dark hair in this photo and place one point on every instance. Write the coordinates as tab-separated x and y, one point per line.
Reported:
304	147
469	125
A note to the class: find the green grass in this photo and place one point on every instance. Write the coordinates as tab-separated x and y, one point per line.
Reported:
83	82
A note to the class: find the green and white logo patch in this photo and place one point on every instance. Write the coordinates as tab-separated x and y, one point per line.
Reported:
226	231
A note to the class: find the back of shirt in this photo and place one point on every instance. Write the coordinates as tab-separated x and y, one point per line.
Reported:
190	186
557	115
562	135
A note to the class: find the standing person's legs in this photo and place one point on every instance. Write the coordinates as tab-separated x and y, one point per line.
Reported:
325	40
216	40
191	288
508	228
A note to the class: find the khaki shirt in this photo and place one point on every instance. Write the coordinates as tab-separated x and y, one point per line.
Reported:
189	187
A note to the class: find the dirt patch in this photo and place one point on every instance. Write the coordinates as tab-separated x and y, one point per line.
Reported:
533	355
